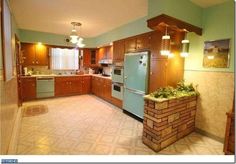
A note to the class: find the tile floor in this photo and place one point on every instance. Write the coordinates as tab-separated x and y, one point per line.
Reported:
85	125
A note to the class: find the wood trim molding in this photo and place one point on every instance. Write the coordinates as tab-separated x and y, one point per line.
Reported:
175	24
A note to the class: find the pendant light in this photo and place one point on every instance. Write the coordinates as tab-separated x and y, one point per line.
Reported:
75	38
165	44
185	46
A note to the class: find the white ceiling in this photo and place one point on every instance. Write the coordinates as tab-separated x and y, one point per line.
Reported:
207	3
96	16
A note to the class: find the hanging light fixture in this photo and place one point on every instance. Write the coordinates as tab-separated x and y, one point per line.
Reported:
75	38
165	44
185	46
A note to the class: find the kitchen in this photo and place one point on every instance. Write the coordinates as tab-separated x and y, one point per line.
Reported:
117	90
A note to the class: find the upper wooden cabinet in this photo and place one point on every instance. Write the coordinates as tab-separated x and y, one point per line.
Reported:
138	43
90	57
34	54
118	50
105	52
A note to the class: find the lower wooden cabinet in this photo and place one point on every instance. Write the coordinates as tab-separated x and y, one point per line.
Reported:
68	86
102	88
86	84
28	88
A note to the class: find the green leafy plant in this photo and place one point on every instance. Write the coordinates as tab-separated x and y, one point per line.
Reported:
181	90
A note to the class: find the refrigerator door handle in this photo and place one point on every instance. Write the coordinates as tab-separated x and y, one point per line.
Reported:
135	91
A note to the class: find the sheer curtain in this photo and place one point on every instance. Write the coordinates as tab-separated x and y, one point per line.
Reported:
64	59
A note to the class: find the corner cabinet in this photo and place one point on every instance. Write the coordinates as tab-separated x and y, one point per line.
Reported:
90	57
34	54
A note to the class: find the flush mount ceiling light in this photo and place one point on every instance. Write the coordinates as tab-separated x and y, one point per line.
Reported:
165	44
185	46
74	37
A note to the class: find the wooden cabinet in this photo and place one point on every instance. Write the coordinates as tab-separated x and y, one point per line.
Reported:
28	88
118	50
68	86
105	52
158	76
155	46
138	43
101	87
34	54
86	84
229	145
130	44
90	57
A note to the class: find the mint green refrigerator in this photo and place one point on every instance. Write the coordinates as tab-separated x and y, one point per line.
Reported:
136	71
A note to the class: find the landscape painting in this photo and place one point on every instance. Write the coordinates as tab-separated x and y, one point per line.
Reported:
216	54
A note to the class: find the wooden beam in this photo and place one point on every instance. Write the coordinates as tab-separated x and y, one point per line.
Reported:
172	23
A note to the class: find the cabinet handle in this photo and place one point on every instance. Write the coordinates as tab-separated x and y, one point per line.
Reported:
37	62
33	62
150	73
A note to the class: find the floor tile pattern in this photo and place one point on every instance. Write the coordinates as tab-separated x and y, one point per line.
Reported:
87	125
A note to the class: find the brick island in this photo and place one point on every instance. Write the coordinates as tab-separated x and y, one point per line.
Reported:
167	121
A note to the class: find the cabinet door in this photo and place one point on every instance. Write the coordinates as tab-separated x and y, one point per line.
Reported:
86	57
155	46
28	89
109	51
143	41
86	85
107	90
118	50
102	53
100	87
28	51
157	74
41	55
93	85
130	44
76	85
61	87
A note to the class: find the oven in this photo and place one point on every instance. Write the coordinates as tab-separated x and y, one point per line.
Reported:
117	90
117	74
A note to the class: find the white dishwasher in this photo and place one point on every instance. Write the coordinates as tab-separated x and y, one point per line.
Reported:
44	87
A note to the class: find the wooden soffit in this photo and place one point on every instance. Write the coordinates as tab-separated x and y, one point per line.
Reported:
161	21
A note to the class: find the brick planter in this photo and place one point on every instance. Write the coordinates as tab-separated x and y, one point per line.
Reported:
168	121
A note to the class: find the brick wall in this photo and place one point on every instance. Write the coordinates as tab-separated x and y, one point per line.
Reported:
168	121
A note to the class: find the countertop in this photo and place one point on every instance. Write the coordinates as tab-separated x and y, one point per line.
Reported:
73	75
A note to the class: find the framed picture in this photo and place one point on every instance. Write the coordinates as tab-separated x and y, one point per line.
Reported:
7	55
216	54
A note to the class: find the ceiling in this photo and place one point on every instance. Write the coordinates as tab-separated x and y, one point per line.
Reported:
207	3
96	16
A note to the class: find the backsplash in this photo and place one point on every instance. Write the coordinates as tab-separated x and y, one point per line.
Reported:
39	70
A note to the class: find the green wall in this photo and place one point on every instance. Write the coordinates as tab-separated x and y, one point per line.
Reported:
218	23
181	9
29	36
133	28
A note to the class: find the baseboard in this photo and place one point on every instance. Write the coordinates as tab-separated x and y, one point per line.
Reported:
12	150
200	131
